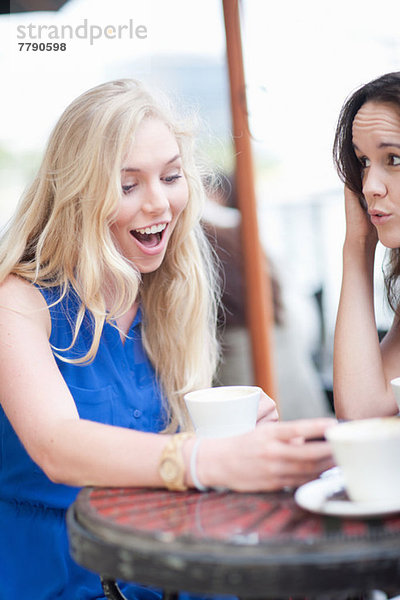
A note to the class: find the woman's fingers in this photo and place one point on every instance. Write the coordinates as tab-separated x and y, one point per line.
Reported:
272	456
287	456
302	429
358	224
266	409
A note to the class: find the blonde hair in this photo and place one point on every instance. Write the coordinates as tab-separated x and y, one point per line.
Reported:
60	236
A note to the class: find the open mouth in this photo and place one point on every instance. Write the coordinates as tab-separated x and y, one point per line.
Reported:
149	237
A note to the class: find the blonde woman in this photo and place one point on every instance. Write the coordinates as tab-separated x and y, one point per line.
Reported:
107	317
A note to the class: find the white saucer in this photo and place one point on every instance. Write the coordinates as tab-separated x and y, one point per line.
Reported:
316	496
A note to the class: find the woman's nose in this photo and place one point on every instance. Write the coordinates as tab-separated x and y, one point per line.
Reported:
374	184
156	201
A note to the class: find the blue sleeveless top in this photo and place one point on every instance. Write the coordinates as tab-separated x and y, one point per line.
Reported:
118	388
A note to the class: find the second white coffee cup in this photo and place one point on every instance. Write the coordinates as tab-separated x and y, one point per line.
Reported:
367	451
395	383
223	411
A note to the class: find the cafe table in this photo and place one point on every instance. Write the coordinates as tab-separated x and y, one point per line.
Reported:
251	545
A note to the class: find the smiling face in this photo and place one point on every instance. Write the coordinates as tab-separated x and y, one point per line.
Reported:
376	141
154	192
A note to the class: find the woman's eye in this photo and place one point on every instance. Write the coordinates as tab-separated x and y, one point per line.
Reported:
171	178
394	160
364	161
128	188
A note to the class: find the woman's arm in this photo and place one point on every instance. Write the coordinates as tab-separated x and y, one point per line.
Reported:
43	413
79	452
362	369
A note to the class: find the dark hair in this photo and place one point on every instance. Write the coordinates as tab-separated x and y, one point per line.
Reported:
385	89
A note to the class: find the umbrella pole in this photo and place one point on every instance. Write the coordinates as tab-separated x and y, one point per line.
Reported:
258	292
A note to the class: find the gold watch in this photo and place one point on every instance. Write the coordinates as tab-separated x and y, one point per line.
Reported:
171	466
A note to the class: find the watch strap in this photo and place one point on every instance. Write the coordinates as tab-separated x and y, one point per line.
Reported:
171	465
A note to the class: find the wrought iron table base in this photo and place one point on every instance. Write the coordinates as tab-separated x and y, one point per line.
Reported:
112	591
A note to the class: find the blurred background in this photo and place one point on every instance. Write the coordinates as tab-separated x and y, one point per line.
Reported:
302	59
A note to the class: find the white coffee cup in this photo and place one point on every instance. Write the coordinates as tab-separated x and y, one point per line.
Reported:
223	411
395	383
368	454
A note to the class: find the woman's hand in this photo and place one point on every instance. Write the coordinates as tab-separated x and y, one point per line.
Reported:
273	456
358	224
267	410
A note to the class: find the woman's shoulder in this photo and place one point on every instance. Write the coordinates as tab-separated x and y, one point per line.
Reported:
19	290
23	297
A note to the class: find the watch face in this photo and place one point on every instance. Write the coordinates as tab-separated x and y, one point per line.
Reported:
169	469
